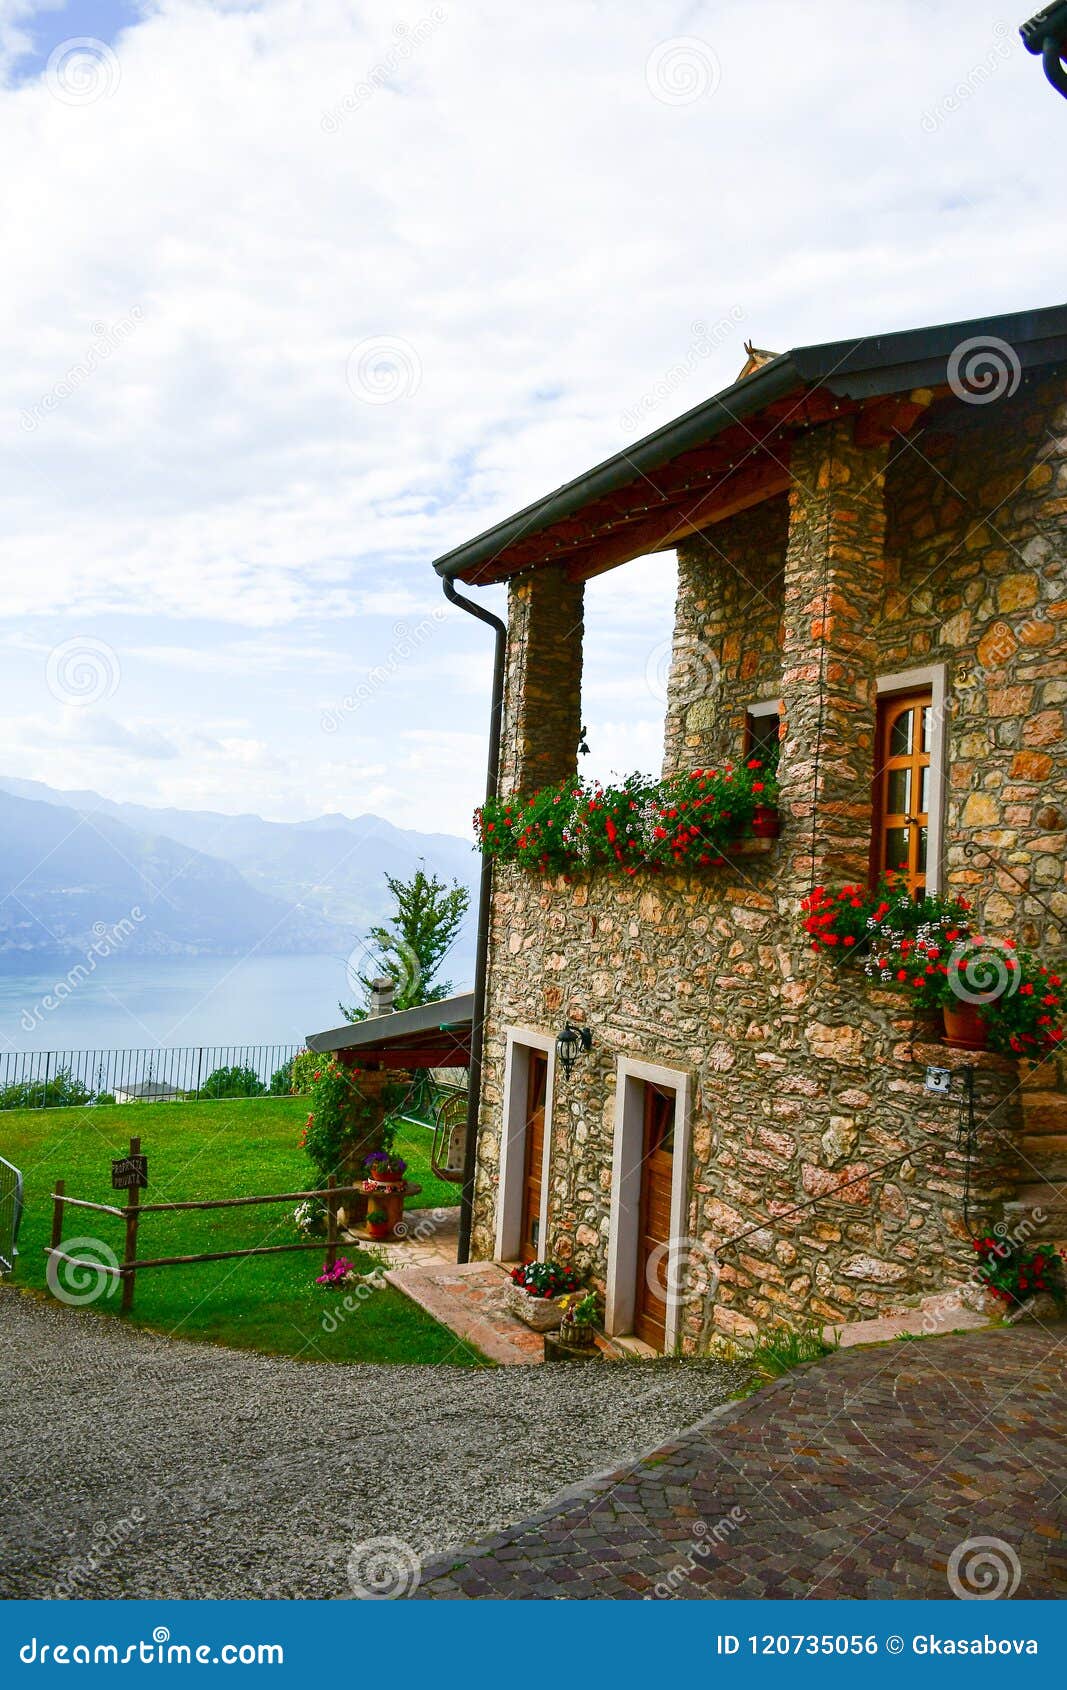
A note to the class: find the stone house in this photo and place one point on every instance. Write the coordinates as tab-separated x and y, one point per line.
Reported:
871	539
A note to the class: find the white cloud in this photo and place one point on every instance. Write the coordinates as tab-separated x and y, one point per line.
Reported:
517	207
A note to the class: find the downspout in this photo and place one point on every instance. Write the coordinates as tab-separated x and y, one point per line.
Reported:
485	888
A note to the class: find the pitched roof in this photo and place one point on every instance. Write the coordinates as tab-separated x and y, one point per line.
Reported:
732	450
438	1033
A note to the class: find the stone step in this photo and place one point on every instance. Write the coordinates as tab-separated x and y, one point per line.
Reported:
1046	1152
1042	1076
1045	1111
1040	1194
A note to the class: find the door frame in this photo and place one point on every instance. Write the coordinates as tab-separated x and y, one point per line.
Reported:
519	1042
628	1143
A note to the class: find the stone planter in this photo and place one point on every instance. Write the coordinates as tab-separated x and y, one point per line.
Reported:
964	1027
543	1314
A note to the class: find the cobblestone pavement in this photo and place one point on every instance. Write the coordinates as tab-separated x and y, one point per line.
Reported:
866	1475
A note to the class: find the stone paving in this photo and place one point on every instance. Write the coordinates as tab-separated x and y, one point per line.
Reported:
865	1475
470	1298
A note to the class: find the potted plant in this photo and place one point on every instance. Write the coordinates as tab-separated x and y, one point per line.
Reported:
536	1293
766	821
1015	1274
578	1326
385	1167
378	1224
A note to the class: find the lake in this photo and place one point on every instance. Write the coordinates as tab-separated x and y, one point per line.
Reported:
159	1001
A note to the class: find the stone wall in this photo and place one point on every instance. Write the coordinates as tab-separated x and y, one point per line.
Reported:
805	1081
976	577
809	1084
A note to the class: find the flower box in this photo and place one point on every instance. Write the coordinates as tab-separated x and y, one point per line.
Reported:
543	1314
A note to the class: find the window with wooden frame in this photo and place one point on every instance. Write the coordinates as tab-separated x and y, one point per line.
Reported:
902	788
761	732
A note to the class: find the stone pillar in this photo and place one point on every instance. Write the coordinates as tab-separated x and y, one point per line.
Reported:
375	1093
725	651
543	682
833	585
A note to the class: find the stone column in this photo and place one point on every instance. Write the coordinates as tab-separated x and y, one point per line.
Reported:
374	1092
543	682
833	586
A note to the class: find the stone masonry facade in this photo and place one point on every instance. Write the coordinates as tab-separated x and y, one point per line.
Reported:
812	1132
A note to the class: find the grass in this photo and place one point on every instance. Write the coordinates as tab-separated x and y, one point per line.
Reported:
777	1351
231	1148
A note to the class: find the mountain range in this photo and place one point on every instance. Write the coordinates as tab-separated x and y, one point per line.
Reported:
74	864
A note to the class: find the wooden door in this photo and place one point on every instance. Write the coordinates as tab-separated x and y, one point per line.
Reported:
654	1225
536	1089
902	789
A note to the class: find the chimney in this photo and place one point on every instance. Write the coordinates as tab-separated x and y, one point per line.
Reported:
381	996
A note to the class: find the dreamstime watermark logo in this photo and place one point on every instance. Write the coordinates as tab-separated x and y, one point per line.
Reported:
407	39
975	80
382	1569
983	971
407	641
984	369
107	1539
82	71
382	369
82	671
365	964
983	1569
699	672
106	941
705	341
706	1536
83	1281
363	1288
682	70
681	1271
107	339
975	1292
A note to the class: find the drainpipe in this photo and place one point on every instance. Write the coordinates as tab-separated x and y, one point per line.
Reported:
1046	34
481	966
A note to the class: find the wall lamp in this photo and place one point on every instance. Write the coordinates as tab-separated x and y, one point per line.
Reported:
570	1045
1046	34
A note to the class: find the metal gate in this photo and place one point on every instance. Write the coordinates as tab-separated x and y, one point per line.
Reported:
10	1214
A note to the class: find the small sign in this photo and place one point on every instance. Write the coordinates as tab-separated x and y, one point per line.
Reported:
129	1173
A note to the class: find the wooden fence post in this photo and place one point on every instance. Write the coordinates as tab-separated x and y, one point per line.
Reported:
331	1221
133	1201
57	1214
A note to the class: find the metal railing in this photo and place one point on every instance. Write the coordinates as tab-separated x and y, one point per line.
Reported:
10	1214
54	1079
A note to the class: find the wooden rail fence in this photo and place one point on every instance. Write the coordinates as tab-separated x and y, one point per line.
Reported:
131	1212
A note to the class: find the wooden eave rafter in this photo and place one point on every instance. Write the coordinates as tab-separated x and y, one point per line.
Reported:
743	466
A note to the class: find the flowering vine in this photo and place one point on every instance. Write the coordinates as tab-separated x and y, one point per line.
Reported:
687	820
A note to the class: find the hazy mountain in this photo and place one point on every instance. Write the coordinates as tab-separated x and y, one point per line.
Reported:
211	883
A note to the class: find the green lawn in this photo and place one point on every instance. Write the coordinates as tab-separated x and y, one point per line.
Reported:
227	1149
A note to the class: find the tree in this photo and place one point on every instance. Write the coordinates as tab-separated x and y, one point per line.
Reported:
233	1082
414	941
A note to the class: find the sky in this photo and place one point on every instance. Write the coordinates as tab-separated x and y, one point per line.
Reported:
297	296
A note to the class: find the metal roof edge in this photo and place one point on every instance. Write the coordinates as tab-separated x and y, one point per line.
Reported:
383	1029
859	367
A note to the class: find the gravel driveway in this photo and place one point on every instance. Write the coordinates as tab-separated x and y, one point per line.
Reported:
140	1466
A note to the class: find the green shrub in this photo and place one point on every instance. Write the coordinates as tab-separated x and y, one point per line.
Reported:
233	1082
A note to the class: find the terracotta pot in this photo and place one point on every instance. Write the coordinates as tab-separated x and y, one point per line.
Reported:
766	822
379	1229
964	1027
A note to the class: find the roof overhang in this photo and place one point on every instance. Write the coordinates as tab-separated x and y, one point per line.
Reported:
433	1035
733	451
